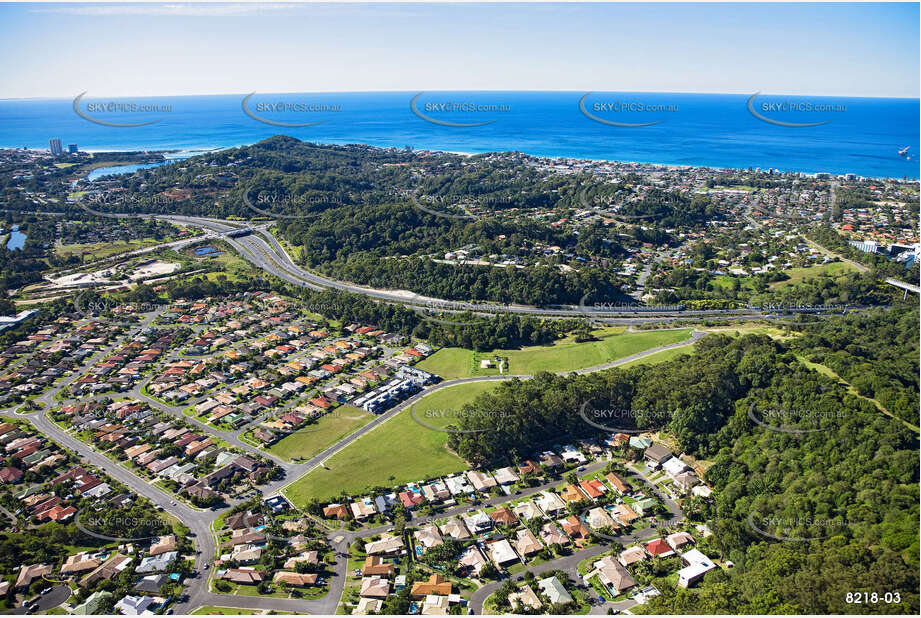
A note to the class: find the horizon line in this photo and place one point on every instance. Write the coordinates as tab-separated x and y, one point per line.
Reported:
405	91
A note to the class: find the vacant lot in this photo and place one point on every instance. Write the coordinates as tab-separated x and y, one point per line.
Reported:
328	430
399	451
798	275
563	355
660	357
101	250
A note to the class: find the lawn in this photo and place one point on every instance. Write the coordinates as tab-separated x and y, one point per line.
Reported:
328	430
400	450
798	275
660	357
564	355
101	250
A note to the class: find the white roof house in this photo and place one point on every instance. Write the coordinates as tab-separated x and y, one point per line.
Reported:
506	476
134	606
501	552
697	565
674	466
550	503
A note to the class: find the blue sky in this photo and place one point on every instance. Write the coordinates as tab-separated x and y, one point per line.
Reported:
148	49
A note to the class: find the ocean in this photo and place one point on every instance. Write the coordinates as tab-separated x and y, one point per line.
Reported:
863	136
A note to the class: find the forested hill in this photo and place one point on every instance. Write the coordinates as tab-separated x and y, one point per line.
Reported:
372	216
807	516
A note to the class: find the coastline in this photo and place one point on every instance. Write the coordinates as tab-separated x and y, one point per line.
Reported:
192	152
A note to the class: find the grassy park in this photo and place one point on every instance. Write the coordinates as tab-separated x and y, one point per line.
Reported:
400	450
564	355
316	437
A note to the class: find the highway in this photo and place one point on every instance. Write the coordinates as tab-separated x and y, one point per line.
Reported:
262	249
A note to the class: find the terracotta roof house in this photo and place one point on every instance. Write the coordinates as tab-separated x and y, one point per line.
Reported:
593	488
375	565
242	576
658	547
571	493
574	527
528	467
436	584
503	515
619	485
291	578
11	474
336	511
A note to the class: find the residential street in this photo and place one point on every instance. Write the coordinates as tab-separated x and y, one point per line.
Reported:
199	521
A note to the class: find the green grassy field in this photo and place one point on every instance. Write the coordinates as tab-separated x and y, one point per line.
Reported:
798	275
102	250
321	435
564	355
660	357
399	451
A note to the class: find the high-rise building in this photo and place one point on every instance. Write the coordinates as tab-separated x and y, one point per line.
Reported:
55	145
72	148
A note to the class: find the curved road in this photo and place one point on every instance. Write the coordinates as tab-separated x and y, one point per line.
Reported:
200	521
